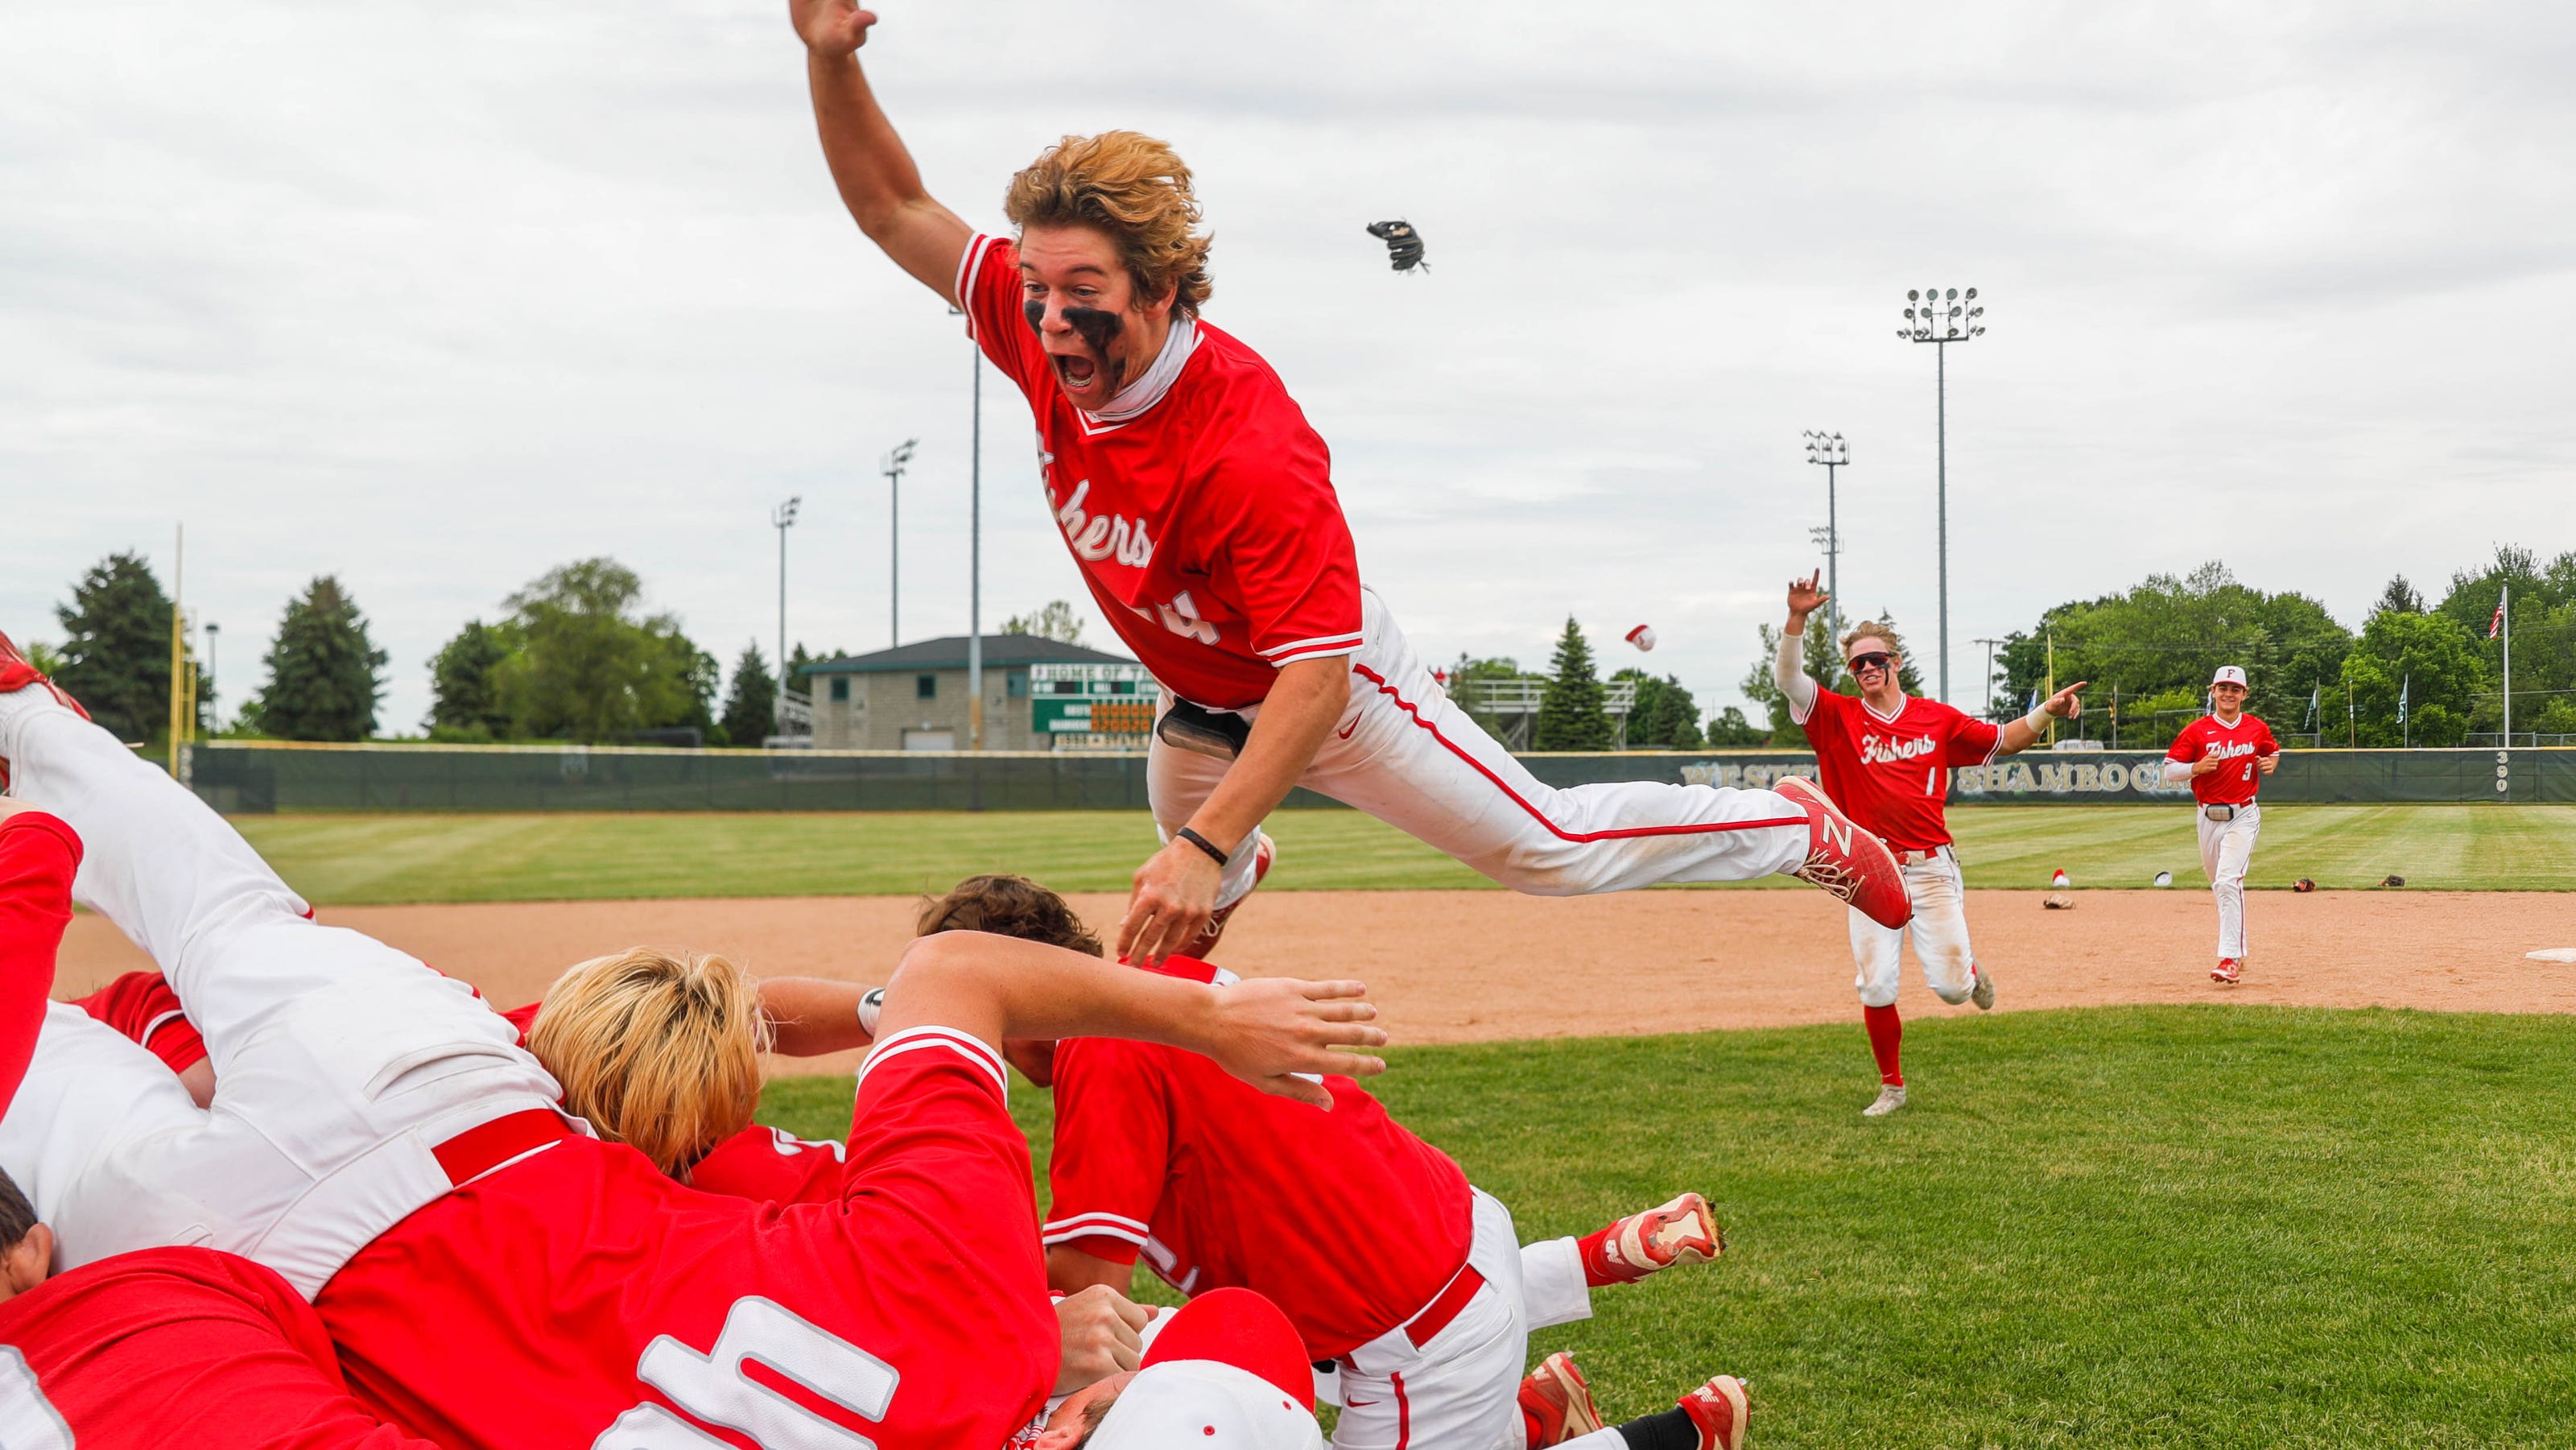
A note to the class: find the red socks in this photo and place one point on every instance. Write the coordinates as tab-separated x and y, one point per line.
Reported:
1885	1032
1597	1266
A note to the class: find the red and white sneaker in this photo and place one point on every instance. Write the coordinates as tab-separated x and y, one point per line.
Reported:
1847	861
1205	942
1718	1408
1558	1402
1681	1232
17	672
2225	971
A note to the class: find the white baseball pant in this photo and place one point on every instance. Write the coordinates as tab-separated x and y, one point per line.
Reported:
2226	850
1460	1389
340	1063
1407	755
1940	932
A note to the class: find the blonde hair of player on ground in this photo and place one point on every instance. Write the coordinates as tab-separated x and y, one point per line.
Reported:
655	1050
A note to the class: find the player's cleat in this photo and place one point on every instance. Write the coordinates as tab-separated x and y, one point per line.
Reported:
1557	1402
1205	942
1847	861
2225	971
1719	1409
1983	994
1680	1232
1891	1096
17	672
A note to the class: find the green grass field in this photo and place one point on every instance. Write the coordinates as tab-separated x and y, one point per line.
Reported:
2198	1226
341	859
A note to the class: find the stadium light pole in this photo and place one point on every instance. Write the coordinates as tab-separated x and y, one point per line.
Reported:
975	554
214	634
893	466
782	518
1990	673
1941	317
1829	450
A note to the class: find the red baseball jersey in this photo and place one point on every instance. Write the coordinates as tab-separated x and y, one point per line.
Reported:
1892	774
2240	744
38	857
1352	1224
171	1347
1206	527
577	1288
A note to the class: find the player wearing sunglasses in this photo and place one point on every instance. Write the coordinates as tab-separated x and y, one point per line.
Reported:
1886	758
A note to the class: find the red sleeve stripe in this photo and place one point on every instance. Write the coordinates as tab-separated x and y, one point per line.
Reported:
1333	652
969	267
974	1049
1338	644
1094	1225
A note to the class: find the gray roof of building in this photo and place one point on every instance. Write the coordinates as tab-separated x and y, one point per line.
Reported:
1001	651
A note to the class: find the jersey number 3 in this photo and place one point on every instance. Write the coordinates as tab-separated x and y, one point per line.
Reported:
714	1387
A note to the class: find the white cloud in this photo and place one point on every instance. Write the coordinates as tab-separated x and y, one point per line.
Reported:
434	300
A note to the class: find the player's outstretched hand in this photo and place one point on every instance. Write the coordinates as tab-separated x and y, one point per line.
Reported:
830	27
1805	598
2064	705
1100	1328
1174	896
1268	1029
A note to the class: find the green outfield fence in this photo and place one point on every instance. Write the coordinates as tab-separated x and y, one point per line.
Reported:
262	777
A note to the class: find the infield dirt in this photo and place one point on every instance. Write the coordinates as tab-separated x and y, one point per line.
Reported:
1463	966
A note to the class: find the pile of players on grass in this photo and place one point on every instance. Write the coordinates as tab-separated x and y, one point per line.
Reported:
299	1188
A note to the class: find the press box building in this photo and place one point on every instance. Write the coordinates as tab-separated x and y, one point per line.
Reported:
1039	694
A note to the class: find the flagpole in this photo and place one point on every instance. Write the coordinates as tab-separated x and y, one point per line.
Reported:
2504	597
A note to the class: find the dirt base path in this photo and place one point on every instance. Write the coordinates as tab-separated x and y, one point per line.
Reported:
1466	966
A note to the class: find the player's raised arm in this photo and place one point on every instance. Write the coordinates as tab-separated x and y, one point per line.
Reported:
1787	670
1263	1031
875	174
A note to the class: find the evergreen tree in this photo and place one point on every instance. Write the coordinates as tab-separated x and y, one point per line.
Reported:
2399	597
465	684
751	710
324	675
116	647
1570	716
1664	716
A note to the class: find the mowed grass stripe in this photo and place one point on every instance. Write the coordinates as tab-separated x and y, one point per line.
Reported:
348	859
2181	1226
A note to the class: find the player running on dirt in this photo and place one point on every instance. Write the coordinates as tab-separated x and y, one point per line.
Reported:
1410	1282
1886	758
1200	509
2224	754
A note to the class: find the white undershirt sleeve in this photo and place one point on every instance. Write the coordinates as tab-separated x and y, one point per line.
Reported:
1792	680
2176	771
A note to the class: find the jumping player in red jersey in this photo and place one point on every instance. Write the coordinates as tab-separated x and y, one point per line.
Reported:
1886	759
1200	508
2224	754
1411	1284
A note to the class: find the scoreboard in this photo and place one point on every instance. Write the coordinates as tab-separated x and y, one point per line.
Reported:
1079	705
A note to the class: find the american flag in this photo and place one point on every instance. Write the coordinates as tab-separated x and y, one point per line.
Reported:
2495	626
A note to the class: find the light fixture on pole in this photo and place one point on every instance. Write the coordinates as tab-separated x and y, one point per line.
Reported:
1942	316
893	466
782	518
1829	450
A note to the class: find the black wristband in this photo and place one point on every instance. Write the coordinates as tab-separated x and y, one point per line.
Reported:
1204	844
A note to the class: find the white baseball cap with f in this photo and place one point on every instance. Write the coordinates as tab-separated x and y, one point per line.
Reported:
2228	675
1228	1373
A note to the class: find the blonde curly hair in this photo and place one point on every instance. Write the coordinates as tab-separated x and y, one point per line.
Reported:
656	1050
1133	190
1872	629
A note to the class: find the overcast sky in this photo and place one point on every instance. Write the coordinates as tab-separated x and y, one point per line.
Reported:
434	298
